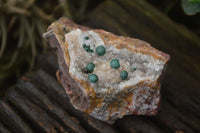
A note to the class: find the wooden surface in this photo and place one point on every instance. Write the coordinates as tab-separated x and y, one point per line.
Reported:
37	103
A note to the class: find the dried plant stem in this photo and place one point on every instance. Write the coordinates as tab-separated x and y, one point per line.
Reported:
30	31
41	29
65	5
11	2
28	3
4	35
14	9
83	7
19	45
42	14
11	23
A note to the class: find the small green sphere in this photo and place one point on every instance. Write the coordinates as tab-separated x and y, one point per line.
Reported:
124	75
87	48
87	38
93	78
90	51
100	50
84	45
90	67
134	69
115	63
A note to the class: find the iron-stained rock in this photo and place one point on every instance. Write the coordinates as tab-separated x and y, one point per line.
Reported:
108	95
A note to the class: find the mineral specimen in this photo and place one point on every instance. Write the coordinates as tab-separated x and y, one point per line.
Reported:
105	75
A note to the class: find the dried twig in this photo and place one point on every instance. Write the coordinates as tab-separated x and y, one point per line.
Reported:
33	21
19	45
83	7
28	3
65	5
41	29
42	14
12	22
14	9
4	35
30	31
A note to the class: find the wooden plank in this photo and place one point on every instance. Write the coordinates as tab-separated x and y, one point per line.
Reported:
56	92
137	124
43	104
37	116
48	59
12	119
54	110
4	129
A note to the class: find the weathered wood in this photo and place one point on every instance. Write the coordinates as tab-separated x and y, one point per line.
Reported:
47	112
12	119
140	124
48	59
44	102
39	117
3	128
56	92
37	103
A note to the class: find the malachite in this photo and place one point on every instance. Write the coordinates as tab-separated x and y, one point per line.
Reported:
124	75
90	67
93	78
90	51
87	48
100	50
115	63
134	68
87	38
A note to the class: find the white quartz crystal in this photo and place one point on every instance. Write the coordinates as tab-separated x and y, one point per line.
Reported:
147	67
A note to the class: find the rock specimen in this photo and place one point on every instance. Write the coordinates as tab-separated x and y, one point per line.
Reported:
105	75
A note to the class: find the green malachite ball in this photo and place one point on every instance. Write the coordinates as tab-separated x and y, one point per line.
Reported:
134	68
100	50
90	67
124	75
115	63
90	51
93	78
87	38
87	48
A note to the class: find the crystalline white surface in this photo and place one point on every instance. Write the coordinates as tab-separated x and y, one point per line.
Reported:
147	67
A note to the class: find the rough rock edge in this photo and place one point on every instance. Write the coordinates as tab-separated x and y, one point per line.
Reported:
63	26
